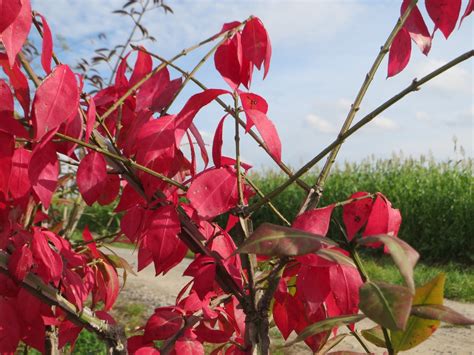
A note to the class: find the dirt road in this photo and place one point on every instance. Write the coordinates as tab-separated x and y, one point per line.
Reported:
153	291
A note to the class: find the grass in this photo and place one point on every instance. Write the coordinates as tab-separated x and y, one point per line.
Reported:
459	279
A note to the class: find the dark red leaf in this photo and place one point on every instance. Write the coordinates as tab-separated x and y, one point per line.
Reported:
213	192
7	146
20	262
444	14
315	221
226	60
416	27
108	284
356	213
47	50
87	236
110	190
43	171
91	117
256	45
16	33
10	326
152	88
132	223
19	83
9	10
56	100
143	66
267	130
399	54
163	98
92	177
164	323
217	143
19	184
50	264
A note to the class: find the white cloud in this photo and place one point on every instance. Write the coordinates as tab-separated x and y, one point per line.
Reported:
422	116
320	124
385	123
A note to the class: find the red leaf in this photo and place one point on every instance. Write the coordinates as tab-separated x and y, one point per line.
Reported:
110	190
10	327
252	102
19	184
108	285
50	264
356	213
399	54
444	14
344	282
217	143
92	177
19	83
163	98
202	146
43	171
47	50
267	130
87	236
131	223
16	33
468	11
56	100
120	78
227	63
153	87
91	116
7	146
256	45
20	262
185	117
143	66
71	128
9	10
213	192
416	27
203	269
315	221
383	218
188	346
156	139
8	123
164	323
308	277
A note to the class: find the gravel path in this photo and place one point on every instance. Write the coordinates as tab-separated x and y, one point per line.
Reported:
153	291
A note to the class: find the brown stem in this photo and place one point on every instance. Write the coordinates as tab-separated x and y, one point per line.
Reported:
51	345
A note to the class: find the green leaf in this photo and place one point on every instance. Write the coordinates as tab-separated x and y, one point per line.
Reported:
403	255
324	325
419	329
333	342
386	304
375	336
273	240
440	312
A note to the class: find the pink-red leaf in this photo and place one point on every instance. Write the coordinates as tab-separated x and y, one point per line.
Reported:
43	171
92	177
152	88
8	123
14	36
315	221
19	83
356	213
9	10
214	192
416	27
20	262
227	63
50	264
47	50
143	66
268	131
444	14
399	54
56	100
255	44
91	116
164	323
202	146
7	146
252	101
217	143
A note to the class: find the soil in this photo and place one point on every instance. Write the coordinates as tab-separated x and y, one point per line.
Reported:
146	289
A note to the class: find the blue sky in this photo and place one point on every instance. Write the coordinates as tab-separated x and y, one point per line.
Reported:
322	50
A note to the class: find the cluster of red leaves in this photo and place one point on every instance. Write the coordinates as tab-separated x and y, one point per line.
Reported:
443	13
153	209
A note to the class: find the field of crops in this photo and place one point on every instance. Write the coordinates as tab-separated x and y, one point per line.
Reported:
435	199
